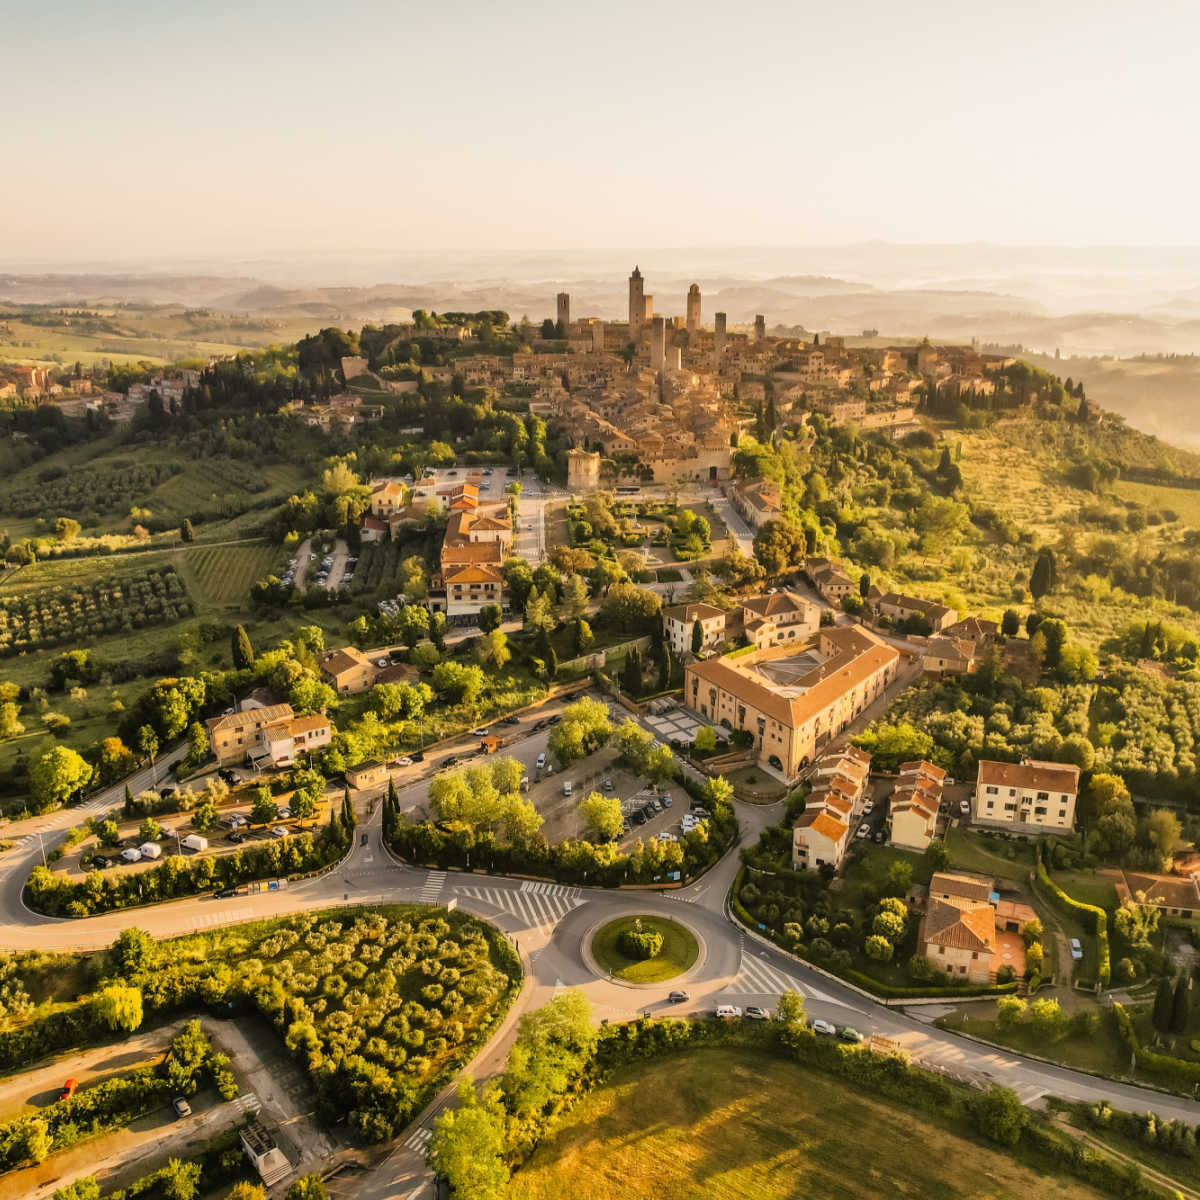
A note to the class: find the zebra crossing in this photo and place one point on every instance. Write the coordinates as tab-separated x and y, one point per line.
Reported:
247	1103
223	916
419	1139
536	904
758	979
431	889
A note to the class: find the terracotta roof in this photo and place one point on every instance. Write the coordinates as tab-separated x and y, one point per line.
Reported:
473	574
772	606
266	715
1030	774
961	884
374	523
1167	890
952	648
929	608
692	612
300	725
822	822
975	629
472	552
967	928
913	798
922	767
348	659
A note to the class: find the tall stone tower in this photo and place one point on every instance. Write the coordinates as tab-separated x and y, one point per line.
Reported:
658	344
693	309
760	328
718	341
637	305
564	310
583	470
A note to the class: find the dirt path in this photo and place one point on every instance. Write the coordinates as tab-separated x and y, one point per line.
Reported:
1157	1177
302	562
337	568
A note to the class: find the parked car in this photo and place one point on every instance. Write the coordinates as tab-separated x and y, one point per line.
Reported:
541	761
868	808
568	787
227	776
666	801
512	720
68	1089
754	1013
181	1106
165	792
236	838
280	831
554	720
881	834
451	761
728	1012
849	1034
825	1028
1076	949
225	894
417	756
608	785
284	813
638	817
404	761
484	732
863	831
964	807
679	997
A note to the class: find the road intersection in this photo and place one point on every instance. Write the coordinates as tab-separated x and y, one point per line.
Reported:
548	923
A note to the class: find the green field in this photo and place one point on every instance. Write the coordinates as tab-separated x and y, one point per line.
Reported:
740	1125
1185	502
223	574
678	953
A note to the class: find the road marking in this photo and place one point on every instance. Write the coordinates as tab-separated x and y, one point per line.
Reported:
432	887
419	1139
248	1102
537	908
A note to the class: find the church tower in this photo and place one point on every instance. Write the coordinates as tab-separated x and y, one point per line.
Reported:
719	341
637	306
564	310
693	309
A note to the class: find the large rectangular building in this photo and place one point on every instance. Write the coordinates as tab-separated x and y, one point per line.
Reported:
1035	796
793	701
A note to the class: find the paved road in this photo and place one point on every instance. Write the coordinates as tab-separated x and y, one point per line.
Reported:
549	924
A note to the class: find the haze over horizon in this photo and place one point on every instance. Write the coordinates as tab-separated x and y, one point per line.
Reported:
256	130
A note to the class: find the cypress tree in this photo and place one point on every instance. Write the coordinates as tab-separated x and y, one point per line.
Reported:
551	663
1163	1006
1041	580
697	636
664	669
243	651
1180	1008
864	584
128	806
186	532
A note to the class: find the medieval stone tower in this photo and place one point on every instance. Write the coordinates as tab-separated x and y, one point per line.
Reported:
564	310
637	305
693	309
718	340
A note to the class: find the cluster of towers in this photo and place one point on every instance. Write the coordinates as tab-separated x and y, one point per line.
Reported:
661	340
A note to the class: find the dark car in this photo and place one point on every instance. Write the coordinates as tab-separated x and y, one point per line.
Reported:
236	838
679	997
99	862
538	726
510	721
451	761
417	756
638	817
554	720
167	791
226	775
225	894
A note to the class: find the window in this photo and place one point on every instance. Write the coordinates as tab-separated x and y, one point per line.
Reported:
941	949
991	804
1010	806
1043	795
1040	811
1062	814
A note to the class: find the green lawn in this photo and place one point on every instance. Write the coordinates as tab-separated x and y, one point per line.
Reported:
971	851
740	1125
1087	887
680	950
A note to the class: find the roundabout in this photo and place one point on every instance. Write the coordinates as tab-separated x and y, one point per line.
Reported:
643	950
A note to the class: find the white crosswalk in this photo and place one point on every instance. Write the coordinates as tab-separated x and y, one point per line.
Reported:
247	1103
419	1139
758	979
537	904
432	888
223	916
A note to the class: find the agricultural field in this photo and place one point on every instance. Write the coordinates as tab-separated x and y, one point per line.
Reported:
68	615
128	334
222	575
727	1124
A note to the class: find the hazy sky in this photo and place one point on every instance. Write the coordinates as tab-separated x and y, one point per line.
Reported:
136	129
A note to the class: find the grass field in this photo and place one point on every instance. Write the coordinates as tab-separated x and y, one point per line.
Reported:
970	852
1183	501
1087	887
736	1125
679	950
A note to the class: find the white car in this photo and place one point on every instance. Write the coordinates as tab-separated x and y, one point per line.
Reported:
404	762
727	1012
541	762
868	808
964	807
825	1028
864	830
381	662
480	732
280	831
131	855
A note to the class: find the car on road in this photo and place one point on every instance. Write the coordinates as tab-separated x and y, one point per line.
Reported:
864	831
280	831
165	792
1076	949
754	1013
554	720
824	1027
608	785
868	808
236	838
964	807
68	1089
381	662
404	761
728	1012
451	761
512	720
181	1106
541	761
638	817
484	732
849	1034
881	835
666	837
284	813
225	894
417	756
227	776
679	997
654	805
568	787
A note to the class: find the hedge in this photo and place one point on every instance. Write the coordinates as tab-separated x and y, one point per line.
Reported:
1099	918
221	1162
1180	1071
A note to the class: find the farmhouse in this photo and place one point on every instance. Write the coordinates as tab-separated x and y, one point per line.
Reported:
1029	795
348	670
285	740
900	608
779	617
679	621
237	736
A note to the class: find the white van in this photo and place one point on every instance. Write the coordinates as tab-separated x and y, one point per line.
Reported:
194	841
568	788
728	1012
131	855
150	850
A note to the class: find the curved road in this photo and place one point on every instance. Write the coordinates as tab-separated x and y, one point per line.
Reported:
548	923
